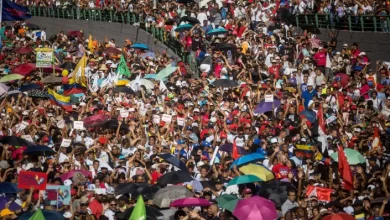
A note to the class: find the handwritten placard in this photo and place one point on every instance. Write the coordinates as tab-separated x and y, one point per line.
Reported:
156	119
181	121
166	118
61	124
66	142
124	113
28	179
269	98
28	138
142	111
78	125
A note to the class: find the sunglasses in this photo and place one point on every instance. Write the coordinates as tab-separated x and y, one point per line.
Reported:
113	204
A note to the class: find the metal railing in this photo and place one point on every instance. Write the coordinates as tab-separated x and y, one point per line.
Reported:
118	17
349	23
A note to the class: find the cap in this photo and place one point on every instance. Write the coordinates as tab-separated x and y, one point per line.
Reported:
200	163
345	45
274	140
110	190
247	191
68	182
6	212
311	102
362	54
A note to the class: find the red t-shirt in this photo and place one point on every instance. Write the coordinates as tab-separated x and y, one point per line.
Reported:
274	70
155	176
281	171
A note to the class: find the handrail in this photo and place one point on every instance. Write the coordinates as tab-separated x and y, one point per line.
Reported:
118	17
348	22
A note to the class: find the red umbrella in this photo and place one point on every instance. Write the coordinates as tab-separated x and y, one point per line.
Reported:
57	69
339	216
75	34
24	50
112	50
95	120
24	69
344	79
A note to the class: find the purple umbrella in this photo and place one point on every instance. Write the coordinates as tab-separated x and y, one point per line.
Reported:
12	206
229	148
189	202
255	208
263	106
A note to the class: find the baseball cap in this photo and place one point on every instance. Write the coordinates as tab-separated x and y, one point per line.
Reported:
68	182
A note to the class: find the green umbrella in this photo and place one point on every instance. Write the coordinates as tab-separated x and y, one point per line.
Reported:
244	179
353	156
227	201
11	77
164	73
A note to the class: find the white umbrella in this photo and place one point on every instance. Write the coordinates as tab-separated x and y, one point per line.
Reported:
149	85
3	88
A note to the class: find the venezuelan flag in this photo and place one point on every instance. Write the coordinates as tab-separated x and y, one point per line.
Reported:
60	100
75	88
304	150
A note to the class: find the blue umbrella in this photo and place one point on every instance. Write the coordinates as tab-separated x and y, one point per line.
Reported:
39	150
217	31
264	106
149	54
78	95
140	46
249	158
150	76
174	161
309	115
183	27
46	213
7	187
28	87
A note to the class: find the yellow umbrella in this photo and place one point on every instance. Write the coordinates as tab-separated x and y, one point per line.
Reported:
122	82
257	170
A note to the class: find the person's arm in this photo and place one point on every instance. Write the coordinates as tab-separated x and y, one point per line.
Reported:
300	179
215	172
382	209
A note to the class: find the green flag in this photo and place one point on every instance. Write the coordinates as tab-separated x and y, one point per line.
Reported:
38	215
122	67
139	211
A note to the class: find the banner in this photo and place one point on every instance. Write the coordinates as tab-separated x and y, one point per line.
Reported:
28	179
44	57
58	195
11	11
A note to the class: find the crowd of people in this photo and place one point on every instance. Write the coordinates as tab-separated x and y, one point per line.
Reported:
275	117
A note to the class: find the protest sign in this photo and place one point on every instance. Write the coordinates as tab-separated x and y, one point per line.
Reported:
27	179
166	118
78	125
58	194
156	119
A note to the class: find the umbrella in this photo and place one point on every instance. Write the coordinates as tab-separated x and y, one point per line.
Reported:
195	184
75	34
140	46
309	115
7	187
95	120
11	77
229	148
143	82
164	73
24	68
23	50
255	208
136	189
39	150
33	27
339	216
38	94
10	94
343	78
14	141
3	88
227	201
123	89
225	46
52	79
28	87
71	173
217	31
183	27
264	106
112	50
275	190
150	76
257	170
190	20
174	161
249	158
151	213
208	184
170	22
45	215
189	202
113	124
68	66
122	82
225	83
166	195
12	206
149	54
244	179
353	156
174	177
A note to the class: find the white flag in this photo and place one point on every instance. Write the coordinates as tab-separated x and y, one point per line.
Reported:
163	87
328	61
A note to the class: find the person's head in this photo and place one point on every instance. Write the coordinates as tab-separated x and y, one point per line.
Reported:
96	164
203	171
180	214
292	195
212	210
113	204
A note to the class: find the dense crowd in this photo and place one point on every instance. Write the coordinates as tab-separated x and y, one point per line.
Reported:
276	125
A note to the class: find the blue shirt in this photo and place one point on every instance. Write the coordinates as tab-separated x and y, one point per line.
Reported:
303	87
308	96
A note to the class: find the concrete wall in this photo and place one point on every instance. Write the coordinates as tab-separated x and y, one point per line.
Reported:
99	30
